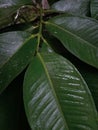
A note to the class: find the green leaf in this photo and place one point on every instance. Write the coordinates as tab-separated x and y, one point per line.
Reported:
89	73
16	50
78	34
94	8
8	9
78	7
56	97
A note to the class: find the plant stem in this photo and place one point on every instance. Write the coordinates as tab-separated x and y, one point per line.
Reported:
40	28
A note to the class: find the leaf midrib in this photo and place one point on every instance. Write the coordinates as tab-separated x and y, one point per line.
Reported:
76	36
45	68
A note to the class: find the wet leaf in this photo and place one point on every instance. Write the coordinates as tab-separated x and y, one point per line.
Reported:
56	97
78	34
16	50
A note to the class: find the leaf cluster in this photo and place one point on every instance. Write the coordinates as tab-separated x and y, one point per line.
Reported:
49	64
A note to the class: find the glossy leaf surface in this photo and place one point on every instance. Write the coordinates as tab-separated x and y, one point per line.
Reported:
94	8
16	49
56	97
79	35
89	73
78	7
